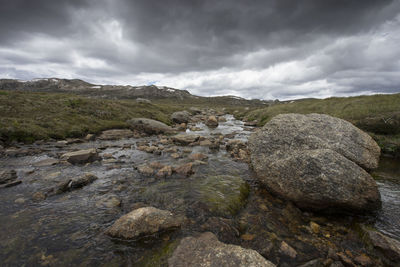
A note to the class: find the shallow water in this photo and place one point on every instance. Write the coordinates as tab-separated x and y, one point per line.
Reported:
68	229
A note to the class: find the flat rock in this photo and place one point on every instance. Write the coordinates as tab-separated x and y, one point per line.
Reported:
206	250
75	183
81	156
115	134
149	126
185	139
144	222
317	162
46	162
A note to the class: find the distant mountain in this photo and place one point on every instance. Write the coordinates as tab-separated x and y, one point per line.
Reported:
151	92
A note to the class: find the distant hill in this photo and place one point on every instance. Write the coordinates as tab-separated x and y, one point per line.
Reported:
151	92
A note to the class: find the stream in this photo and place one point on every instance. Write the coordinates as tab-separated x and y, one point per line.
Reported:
68	229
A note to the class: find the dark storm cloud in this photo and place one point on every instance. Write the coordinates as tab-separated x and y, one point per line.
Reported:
268	49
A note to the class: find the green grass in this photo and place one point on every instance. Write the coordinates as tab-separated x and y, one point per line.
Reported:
379	115
26	116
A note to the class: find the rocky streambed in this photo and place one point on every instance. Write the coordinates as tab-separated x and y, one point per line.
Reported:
60	207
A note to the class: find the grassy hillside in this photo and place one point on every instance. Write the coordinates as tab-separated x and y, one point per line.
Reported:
378	114
30	116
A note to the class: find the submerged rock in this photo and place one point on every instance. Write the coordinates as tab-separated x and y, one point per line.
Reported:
7	176
185	169
180	117
81	156
144	222
206	250
316	161
149	126
388	246
224	195
115	134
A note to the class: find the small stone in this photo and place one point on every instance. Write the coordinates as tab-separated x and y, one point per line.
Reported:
185	169
156	165
363	260
175	155
247	237
145	170
287	250
212	122
81	156
344	259
164	172
315	228
198	156
205	143
20	200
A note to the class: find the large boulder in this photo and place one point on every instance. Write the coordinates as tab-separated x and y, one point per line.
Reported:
206	250
144	222
115	134
81	156
149	126
180	117
317	162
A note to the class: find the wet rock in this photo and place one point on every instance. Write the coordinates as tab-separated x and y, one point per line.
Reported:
313	263
206	250
336	264
115	134
7	176
185	169
81	156
144	222
182	126
250	123
180	117
212	122
175	155
225	229
149	126
287	250
145	170
221	119
10	184
46	162
205	143
345	259
156	165
90	137
388	246
195	129
198	156
75	183
38	196
184	139
364	260
315	228
108	201
223	195
20	200
317	169
164	172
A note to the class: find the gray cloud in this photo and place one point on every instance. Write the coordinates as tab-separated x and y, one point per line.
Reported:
266	49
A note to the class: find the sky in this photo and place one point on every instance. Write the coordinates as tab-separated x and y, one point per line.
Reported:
266	49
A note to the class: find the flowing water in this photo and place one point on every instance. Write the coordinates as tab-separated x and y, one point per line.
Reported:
68	229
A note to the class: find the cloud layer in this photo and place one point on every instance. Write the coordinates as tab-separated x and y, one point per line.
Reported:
255	49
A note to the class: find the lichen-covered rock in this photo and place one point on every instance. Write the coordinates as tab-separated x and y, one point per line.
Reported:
180	117
206	250
316	161
81	156
149	126
144	222
115	134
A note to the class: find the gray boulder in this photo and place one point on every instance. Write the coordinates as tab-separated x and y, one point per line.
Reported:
317	162
206	250
144	222
81	156
180	117
149	126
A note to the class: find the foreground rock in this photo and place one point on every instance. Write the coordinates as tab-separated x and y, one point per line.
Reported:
206	250
144	222
314	160
75	183
212	122
180	117
115	134
149	126
81	156
389	247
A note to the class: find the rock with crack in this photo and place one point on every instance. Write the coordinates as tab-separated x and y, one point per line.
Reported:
144	222
318	162
207	250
